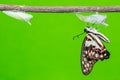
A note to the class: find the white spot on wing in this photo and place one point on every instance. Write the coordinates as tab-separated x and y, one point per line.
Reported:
90	62
96	55
85	59
82	62
87	64
101	56
93	53
84	70
105	54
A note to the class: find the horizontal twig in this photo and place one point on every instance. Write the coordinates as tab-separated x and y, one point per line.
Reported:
60	9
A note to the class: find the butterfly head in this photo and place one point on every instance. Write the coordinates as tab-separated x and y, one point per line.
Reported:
90	29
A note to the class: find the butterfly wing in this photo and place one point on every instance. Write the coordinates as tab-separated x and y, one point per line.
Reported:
87	64
92	51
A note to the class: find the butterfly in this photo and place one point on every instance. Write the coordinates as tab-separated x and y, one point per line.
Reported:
93	49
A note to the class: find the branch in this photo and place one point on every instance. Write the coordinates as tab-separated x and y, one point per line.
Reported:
60	9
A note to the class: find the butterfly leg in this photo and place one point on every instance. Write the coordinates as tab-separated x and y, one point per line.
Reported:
87	24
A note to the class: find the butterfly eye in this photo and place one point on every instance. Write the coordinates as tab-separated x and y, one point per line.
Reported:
85	30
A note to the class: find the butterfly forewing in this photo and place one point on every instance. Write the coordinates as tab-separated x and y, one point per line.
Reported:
92	51
86	63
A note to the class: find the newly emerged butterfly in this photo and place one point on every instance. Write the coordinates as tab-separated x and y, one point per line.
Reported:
93	49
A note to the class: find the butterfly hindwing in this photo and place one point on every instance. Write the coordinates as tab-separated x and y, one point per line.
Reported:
92	51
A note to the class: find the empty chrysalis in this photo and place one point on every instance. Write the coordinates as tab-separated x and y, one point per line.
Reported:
94	18
20	15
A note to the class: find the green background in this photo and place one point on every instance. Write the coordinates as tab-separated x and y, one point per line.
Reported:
45	50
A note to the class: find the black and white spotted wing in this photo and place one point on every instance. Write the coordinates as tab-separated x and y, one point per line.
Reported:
92	51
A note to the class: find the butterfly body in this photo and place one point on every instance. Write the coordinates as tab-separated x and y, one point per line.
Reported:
93	49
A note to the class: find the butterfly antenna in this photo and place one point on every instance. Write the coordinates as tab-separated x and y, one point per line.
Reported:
77	36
